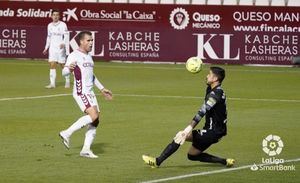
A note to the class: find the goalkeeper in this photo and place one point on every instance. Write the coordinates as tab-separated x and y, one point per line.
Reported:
215	112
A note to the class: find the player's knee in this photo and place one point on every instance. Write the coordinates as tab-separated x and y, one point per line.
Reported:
96	122
52	65
192	157
94	116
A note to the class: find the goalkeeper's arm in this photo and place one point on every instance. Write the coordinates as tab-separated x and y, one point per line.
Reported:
181	135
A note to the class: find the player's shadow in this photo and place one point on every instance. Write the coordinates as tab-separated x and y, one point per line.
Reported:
97	148
193	166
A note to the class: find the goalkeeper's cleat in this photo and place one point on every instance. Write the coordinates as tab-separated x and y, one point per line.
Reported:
150	161
230	162
87	153
65	139
50	86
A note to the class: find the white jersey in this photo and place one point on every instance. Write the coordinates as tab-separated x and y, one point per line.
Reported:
83	72
56	35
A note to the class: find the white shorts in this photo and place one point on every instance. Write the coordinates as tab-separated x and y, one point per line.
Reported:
57	56
86	100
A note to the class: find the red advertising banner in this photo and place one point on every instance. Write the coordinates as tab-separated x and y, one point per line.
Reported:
142	32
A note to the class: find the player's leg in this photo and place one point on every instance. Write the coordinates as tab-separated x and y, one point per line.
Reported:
62	60
85	104
53	58
201	141
167	152
90	133
52	74
195	154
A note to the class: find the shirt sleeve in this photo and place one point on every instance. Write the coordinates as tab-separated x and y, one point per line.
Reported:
70	59
66	34
211	100
98	84
48	37
66	70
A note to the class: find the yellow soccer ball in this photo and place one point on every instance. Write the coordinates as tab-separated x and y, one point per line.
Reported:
194	64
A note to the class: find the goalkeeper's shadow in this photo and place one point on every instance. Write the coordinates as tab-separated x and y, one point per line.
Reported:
202	165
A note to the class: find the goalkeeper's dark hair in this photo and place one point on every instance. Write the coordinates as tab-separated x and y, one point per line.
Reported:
81	35
219	72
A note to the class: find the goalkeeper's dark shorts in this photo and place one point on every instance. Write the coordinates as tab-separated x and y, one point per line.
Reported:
202	139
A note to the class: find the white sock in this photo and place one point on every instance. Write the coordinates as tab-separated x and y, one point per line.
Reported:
89	137
52	76
80	123
67	79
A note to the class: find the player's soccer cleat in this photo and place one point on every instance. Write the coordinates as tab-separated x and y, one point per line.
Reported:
230	162
150	161
65	139
87	153
67	85
50	86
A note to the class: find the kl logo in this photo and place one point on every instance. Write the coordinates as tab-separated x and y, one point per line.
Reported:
206	46
70	13
74	45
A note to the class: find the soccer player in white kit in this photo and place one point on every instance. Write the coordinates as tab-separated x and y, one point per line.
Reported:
57	35
81	64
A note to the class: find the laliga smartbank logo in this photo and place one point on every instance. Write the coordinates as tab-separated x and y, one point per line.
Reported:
179	18
272	145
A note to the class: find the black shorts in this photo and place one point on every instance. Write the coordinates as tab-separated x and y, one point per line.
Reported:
202	139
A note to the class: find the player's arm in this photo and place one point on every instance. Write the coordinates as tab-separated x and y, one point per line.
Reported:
47	41
107	93
66	37
69	66
208	105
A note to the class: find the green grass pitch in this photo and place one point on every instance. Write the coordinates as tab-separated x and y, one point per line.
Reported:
151	103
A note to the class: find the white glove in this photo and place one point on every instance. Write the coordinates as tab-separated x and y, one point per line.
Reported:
180	137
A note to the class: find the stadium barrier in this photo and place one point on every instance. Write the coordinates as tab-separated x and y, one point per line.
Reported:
173	33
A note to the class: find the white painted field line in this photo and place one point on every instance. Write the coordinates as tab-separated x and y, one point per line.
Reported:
213	172
34	97
151	96
194	97
146	66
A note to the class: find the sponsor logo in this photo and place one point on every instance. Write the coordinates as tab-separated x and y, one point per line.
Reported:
119	15
207	43
72	43
179	18
13	41
70	13
133	44
26	13
272	145
206	21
